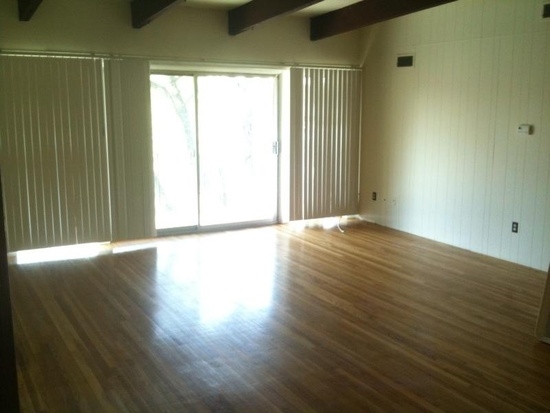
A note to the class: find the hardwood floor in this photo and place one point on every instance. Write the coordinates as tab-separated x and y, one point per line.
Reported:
276	320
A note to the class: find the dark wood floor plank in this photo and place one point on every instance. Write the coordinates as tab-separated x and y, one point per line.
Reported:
273	319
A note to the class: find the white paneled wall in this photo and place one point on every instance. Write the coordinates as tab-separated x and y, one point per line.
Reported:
440	142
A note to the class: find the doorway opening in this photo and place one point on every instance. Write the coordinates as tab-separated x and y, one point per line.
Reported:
215	147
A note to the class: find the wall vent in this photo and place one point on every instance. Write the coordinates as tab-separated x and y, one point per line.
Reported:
405	61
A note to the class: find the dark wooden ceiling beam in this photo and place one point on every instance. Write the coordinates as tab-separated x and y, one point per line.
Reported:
364	14
27	9
145	11
257	11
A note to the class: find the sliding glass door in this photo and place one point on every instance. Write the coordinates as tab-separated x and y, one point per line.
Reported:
214	140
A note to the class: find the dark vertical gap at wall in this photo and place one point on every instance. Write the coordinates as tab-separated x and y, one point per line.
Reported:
9	396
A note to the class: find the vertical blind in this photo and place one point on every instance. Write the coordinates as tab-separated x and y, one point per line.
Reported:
132	180
325	114
75	148
53	151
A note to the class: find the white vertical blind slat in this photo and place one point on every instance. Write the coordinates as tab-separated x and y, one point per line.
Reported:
133	202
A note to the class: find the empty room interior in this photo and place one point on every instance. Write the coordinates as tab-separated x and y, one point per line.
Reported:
275	206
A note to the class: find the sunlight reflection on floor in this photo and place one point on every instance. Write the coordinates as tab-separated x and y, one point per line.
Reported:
216	279
63	253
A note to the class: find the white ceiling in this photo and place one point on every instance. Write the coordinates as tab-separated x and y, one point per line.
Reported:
319	8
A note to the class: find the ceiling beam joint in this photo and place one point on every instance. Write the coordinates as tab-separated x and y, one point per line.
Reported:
257	11
365	13
145	11
27	8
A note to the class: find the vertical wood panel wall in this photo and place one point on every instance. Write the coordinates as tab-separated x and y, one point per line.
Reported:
440	142
53	151
325	118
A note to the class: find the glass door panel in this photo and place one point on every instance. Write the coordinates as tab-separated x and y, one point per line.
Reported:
237	123
174	151
231	178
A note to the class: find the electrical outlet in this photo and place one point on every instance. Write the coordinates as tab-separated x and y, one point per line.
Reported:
526	129
515	227
374	196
